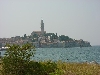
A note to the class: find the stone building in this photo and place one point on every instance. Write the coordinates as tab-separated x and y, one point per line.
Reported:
39	33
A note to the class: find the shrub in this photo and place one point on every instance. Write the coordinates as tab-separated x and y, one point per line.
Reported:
17	62
42	68
17	59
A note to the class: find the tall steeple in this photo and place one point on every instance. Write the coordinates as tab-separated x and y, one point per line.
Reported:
42	27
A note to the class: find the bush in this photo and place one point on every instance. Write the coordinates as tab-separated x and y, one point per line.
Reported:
17	59
42	68
17	62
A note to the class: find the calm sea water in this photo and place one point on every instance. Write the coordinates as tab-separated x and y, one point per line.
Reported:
67	54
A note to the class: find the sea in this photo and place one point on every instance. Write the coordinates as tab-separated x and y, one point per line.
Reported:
75	54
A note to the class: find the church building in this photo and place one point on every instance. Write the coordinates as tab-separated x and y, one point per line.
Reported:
39	33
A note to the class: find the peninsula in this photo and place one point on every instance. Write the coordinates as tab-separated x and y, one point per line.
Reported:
41	39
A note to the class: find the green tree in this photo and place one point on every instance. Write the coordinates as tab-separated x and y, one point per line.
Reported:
64	38
25	36
16	60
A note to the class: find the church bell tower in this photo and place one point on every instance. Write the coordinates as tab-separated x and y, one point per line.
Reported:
42	27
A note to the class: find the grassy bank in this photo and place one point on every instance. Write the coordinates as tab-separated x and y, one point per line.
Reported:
79	68
72	68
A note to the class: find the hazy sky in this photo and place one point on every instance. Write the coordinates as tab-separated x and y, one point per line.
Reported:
78	19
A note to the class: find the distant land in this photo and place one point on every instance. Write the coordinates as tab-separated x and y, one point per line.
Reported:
41	39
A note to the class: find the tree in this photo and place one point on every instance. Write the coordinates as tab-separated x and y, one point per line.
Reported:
25	36
64	38
17	61
17	58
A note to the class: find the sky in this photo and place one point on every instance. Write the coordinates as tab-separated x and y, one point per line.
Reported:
78	19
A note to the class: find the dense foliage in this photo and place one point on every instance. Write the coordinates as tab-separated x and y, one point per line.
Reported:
64	38
17	61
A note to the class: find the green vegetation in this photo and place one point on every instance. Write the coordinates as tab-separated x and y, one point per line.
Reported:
79	68
64	38
17	61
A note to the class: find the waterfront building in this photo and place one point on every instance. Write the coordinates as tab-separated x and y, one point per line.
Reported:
36	44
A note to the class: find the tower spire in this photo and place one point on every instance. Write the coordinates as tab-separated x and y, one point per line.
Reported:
41	18
42	27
